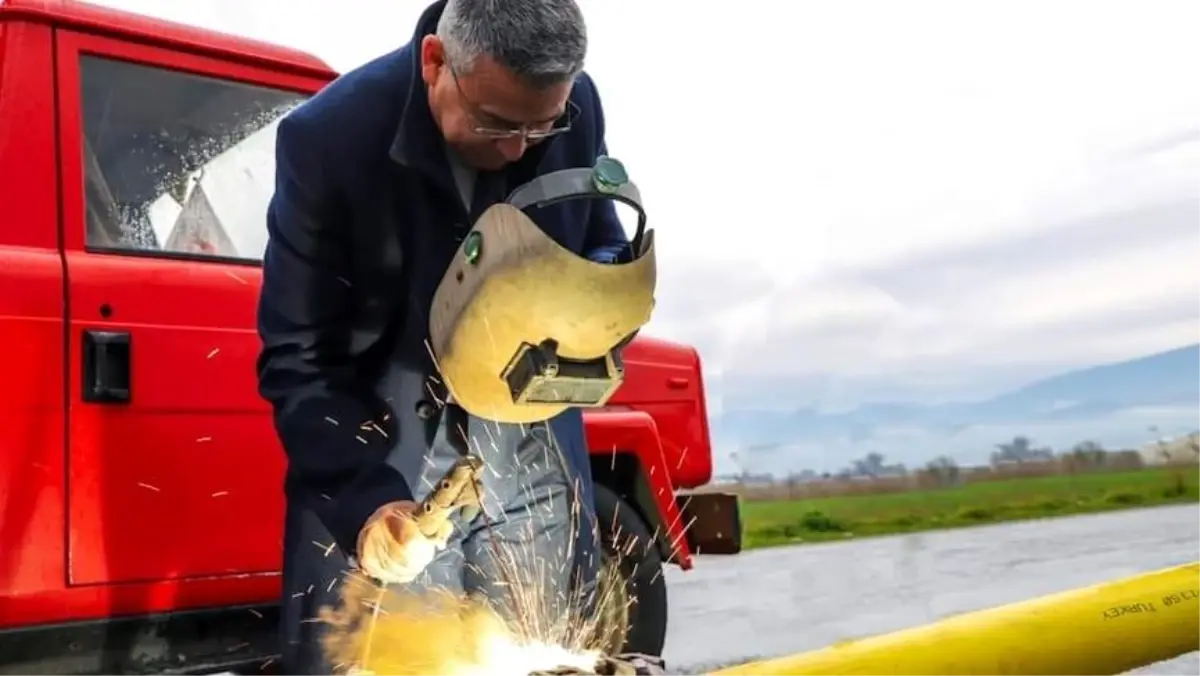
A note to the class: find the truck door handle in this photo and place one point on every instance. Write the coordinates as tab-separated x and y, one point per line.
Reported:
677	383
106	367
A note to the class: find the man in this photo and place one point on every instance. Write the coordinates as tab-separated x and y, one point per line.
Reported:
378	179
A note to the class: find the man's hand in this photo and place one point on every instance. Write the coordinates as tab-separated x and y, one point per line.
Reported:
401	538
391	547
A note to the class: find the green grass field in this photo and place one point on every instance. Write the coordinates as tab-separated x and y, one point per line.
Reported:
770	523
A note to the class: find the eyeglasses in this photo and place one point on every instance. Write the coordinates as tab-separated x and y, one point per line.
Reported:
512	130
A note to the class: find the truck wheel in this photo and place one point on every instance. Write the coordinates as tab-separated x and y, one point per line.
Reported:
632	598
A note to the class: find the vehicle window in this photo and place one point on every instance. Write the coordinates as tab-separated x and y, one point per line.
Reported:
177	163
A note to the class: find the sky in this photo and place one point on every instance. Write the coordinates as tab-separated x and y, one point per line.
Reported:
860	201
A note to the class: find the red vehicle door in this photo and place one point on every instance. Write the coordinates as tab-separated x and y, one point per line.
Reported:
166	169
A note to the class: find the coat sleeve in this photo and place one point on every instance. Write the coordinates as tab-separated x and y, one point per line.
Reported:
606	241
334	430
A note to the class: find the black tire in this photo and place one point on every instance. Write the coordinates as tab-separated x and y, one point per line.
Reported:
627	542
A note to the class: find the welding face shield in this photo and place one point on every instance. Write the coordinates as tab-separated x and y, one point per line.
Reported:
522	328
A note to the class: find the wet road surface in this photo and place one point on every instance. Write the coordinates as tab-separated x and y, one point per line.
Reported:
770	602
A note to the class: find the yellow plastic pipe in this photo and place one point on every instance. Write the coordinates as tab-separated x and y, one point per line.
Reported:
1104	629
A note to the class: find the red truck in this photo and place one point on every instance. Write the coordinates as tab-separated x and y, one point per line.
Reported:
136	163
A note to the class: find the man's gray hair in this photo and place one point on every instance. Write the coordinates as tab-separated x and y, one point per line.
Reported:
543	42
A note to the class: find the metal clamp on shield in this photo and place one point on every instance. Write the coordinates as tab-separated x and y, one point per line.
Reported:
522	328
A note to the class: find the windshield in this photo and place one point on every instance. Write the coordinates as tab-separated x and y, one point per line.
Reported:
175	162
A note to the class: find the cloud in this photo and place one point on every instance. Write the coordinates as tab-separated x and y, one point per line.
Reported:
1100	269
1161	144
1008	296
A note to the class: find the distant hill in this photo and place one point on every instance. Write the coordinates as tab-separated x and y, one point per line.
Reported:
1115	404
1171	377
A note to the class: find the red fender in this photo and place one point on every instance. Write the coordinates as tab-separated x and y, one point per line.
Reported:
613	431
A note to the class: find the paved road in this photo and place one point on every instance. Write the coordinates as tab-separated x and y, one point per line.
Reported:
785	600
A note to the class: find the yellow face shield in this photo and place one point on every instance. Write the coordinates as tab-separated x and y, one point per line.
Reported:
522	328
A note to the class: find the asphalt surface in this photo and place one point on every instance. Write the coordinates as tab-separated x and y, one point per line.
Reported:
778	601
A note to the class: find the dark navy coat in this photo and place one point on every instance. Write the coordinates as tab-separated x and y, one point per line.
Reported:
363	223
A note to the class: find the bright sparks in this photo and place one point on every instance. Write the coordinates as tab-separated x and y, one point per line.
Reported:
378	632
533	627
503	654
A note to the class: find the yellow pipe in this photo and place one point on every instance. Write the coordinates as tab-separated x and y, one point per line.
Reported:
1104	629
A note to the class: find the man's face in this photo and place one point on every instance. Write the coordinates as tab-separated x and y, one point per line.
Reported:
488	115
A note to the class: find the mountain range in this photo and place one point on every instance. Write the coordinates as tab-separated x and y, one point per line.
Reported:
1124	404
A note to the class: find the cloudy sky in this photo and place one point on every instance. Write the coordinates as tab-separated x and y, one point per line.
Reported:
880	200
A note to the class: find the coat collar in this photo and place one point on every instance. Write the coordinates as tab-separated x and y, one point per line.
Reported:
418	141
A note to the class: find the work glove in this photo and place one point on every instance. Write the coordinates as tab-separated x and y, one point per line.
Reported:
392	549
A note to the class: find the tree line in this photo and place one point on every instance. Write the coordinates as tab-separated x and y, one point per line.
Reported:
1020	455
